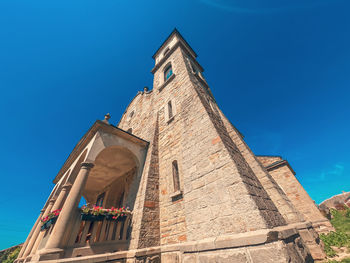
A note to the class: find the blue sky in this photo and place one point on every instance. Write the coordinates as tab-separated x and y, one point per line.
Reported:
278	69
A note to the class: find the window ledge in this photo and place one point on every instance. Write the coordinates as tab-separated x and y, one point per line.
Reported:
176	196
166	82
171	119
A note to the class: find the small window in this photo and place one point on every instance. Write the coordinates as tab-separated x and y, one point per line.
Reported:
170	110
166	51
129	130
100	198
176	178
167	73
131	114
194	69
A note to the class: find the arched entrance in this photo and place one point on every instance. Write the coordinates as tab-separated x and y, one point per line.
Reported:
108	186
109	181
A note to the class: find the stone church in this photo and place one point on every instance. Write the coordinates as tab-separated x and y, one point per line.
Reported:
174	182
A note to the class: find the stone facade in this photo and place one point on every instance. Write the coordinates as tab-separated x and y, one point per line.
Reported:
284	175
196	190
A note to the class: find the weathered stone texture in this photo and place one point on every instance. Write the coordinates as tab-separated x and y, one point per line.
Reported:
228	206
267	160
282	173
149	232
283	204
220	178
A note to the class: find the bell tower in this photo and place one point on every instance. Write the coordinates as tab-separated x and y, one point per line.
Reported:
192	188
212	187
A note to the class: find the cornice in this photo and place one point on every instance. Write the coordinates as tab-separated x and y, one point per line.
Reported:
178	44
279	164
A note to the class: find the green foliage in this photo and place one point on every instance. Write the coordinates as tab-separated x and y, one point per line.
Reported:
347	213
345	260
336	239
341	238
341	220
12	256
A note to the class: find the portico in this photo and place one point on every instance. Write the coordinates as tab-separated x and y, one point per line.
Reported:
105	169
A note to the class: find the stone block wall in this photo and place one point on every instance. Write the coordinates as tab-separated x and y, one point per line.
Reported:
282	173
281	201
224	188
218	186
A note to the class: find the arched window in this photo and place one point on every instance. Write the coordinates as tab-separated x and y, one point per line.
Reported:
170	110
100	199
168	72
120	201
176	178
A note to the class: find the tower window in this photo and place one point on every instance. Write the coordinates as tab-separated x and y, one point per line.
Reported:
176	178
168	72
166	51
193	67
170	110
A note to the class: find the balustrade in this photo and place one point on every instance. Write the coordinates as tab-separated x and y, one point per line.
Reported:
105	230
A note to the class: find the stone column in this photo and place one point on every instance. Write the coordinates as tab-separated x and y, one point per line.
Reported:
37	230
30	235
55	240
62	195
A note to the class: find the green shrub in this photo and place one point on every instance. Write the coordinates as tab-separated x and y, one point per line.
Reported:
12	256
341	220
336	239
347	213
345	260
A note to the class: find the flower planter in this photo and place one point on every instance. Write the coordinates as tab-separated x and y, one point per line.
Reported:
44	226
89	217
48	223
118	219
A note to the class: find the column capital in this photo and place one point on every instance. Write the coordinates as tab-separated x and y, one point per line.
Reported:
66	186
87	165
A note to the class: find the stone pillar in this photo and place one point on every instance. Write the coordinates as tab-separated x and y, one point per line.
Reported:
55	240
30	235
37	230
62	195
